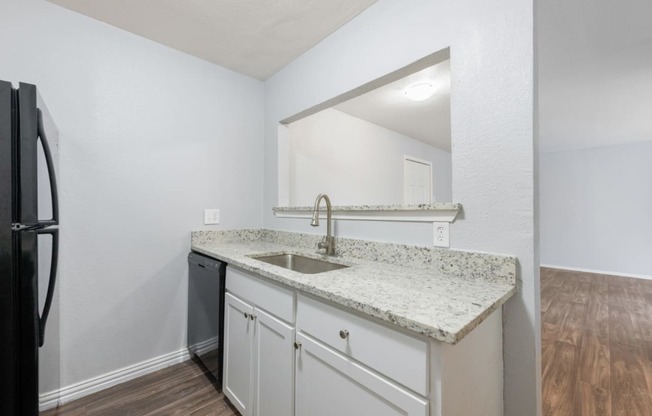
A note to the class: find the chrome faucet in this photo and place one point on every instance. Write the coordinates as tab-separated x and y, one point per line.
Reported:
328	243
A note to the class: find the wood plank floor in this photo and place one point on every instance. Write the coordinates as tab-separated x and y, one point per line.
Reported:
181	390
596	344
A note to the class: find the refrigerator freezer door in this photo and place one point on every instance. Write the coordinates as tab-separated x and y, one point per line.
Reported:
6	156
37	153
26	191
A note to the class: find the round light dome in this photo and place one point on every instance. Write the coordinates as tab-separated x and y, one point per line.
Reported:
420	92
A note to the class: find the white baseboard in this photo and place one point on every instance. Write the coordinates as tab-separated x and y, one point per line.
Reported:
579	269
104	381
205	346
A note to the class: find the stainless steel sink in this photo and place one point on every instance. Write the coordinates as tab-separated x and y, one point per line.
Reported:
299	263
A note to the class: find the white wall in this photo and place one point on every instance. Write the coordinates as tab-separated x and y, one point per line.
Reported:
493	139
596	209
356	162
149	137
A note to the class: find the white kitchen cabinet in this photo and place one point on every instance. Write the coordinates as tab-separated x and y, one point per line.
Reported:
330	383
259	347
347	363
258	360
273	366
238	343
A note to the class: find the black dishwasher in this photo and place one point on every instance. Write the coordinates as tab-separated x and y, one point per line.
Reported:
206	279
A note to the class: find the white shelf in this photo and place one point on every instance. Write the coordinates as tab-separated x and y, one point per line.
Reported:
439	212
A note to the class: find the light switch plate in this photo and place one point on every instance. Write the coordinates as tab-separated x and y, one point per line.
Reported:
211	216
442	234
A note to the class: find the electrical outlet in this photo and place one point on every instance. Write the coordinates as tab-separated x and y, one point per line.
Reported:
211	216
442	234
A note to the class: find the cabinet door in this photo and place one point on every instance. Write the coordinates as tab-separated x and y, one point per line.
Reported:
238	342
329	383
273	366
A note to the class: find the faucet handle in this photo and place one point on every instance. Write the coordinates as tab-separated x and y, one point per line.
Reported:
326	244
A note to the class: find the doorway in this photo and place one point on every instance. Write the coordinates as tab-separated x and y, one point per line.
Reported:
417	181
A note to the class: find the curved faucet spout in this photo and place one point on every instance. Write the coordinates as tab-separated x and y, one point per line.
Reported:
329	242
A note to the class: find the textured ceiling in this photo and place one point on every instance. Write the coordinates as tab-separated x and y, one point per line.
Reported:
253	37
595	73
428	121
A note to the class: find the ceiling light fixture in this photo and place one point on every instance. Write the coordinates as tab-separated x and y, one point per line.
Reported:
420	92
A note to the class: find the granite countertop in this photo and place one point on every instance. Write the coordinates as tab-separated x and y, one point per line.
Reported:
426	301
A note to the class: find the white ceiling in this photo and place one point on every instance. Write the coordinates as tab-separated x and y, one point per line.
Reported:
253	37
428	121
595	73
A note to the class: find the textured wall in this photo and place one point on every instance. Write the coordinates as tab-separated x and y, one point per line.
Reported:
596	207
149	137
493	139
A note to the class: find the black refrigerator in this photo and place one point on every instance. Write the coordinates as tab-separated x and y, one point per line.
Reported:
29	242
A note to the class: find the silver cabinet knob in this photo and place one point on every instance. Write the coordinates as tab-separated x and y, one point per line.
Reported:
297	345
252	317
246	315
344	334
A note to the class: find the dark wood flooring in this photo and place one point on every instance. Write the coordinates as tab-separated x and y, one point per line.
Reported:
181	390
596	344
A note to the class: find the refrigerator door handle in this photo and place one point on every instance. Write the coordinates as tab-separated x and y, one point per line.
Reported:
51	173
51	283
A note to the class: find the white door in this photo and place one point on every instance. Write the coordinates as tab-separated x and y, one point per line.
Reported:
328	383
238	342
273	366
417	181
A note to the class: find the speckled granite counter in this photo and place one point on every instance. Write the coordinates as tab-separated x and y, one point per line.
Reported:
440	293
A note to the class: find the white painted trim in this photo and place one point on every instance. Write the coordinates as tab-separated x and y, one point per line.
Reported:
283	139
579	269
404	213
205	346
401	216
110	379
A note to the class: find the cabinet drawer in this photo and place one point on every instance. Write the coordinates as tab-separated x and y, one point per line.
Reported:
329	383
399	356
268	296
